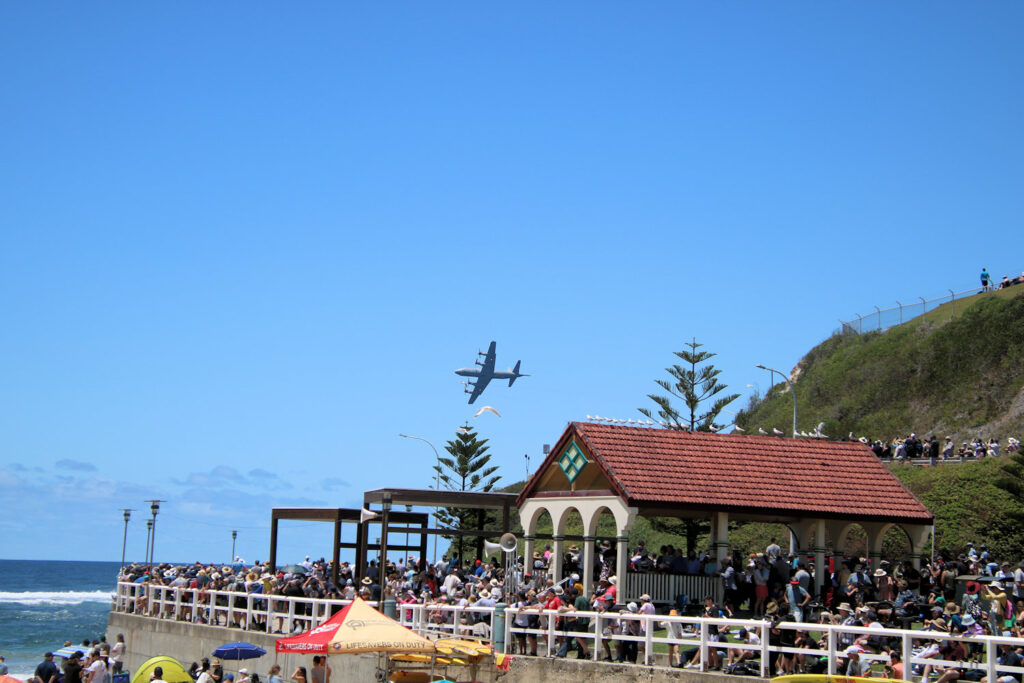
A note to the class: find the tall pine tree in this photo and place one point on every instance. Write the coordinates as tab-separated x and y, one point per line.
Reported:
465	470
693	387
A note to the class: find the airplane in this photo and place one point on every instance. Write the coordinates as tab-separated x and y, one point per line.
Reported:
486	372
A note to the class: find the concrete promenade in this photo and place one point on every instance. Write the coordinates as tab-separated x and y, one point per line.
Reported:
146	637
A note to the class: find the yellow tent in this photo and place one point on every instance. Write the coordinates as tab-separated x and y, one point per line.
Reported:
364	629
174	672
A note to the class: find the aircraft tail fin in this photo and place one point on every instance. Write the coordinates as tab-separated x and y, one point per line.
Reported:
516	374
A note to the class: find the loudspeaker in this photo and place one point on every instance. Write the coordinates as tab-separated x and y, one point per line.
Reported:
366	515
508	542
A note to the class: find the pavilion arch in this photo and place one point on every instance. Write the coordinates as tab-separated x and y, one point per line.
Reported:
628	471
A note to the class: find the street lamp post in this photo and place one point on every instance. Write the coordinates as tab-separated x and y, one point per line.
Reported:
154	507
791	390
149	533
124	542
234	535
437	480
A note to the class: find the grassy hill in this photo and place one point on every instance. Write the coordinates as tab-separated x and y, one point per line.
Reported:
957	370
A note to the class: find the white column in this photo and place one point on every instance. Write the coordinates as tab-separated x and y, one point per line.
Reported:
528	552
720	525
587	570
622	564
555	568
820	570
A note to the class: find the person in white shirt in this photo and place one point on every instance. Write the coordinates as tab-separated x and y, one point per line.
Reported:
749	637
97	668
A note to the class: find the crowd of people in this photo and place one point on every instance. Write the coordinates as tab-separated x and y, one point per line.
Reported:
770	585
95	661
914	447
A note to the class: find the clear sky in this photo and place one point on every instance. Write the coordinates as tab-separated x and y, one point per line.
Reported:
244	245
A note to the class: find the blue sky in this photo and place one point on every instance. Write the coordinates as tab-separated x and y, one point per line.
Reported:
245	245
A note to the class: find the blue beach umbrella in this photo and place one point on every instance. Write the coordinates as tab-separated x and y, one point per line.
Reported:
239	651
66	652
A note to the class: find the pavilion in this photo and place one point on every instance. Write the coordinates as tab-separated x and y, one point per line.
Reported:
819	489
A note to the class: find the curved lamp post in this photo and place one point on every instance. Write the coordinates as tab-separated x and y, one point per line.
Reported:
791	390
437	478
154	507
124	542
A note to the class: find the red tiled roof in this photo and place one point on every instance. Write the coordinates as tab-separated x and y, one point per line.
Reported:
725	471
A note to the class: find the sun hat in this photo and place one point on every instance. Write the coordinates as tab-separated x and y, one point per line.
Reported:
632	607
485	594
940	624
845	606
967	620
852	650
243	671
366	581
613	580
645	598
880	572
973	587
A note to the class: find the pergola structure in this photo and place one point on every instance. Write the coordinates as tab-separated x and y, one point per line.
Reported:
817	488
391	521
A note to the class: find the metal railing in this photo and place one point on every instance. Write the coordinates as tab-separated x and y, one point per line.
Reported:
884	318
249	610
273	613
697	634
284	614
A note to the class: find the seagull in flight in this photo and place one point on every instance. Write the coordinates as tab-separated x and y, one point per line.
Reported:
487	408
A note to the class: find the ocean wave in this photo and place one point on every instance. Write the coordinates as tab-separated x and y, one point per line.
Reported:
55	597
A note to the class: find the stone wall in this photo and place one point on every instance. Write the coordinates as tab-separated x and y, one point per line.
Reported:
146	637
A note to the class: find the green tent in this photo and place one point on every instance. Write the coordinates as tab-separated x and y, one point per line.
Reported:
174	672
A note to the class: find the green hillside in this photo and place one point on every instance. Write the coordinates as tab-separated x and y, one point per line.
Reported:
957	370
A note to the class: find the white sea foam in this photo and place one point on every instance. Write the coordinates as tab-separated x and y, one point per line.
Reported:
55	597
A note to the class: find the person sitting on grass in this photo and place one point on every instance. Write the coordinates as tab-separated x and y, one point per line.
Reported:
747	637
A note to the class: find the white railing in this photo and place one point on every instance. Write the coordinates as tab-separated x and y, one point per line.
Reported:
698	632
447	620
276	613
245	610
285	614
666	588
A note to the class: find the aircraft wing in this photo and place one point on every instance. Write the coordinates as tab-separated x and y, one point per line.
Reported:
480	385
487	369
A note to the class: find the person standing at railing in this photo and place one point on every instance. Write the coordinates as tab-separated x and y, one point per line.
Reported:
985	280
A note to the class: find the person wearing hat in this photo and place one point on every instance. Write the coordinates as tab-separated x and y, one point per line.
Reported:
628	649
797	598
47	671
855	666
747	637
999	607
846	617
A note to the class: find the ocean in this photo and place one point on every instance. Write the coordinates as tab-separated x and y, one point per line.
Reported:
44	603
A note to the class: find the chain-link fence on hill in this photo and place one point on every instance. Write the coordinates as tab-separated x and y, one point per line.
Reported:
884	318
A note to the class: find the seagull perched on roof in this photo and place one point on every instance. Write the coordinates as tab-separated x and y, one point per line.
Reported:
851	436
737	428
761	431
776	432
486	408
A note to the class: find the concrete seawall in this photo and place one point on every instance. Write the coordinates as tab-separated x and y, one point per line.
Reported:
146	637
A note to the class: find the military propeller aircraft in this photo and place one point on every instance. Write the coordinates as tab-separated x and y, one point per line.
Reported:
485	372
